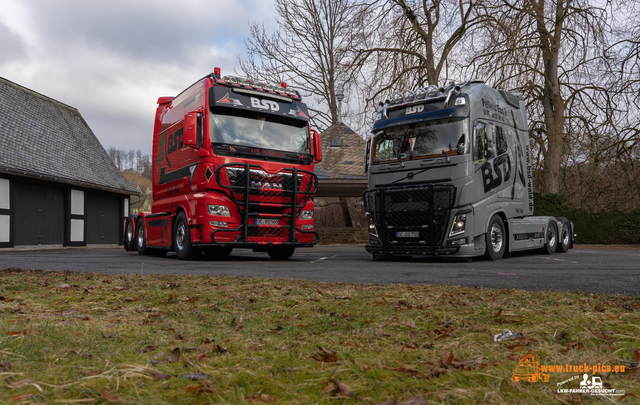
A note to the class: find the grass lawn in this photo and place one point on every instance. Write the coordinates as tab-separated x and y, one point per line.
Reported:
93	338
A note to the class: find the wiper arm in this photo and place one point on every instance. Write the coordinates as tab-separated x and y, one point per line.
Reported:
447	156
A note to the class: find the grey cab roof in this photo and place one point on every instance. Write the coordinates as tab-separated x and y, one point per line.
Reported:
44	138
345	161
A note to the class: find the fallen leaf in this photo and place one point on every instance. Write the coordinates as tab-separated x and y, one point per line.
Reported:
203	357
64	286
118	288
17	333
148	349
343	388
387	402
329	388
599	308
6	365
325	358
498	313
636	355
19	384
178	336
175	355
411	324
111	398
265	398
379	332
158	375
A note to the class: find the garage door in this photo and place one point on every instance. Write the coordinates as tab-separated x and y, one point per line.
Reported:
103	219
39	215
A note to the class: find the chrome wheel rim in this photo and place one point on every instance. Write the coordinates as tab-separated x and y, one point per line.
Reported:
140	236
496	238
565	235
180	235
129	233
551	236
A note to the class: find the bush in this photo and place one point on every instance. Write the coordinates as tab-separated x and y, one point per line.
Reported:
605	227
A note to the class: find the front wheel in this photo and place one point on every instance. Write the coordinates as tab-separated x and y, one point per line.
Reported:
495	238
281	253
182	238
552	238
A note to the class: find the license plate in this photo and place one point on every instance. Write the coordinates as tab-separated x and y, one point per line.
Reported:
415	234
266	221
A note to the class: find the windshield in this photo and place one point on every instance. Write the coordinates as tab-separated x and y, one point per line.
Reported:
260	132
420	140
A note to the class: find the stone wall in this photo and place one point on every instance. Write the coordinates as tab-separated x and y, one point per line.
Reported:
343	235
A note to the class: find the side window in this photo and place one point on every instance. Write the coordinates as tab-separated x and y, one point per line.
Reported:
501	141
479	142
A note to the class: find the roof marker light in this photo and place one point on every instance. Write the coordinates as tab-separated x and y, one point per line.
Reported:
216	72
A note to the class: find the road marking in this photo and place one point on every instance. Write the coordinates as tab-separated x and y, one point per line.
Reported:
320	259
507	274
559	260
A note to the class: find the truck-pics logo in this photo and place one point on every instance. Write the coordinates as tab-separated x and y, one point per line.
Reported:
232	101
264	104
528	369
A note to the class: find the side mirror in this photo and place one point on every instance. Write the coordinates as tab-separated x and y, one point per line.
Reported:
366	156
317	146
191	129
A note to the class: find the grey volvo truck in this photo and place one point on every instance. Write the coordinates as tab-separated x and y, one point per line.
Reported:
449	174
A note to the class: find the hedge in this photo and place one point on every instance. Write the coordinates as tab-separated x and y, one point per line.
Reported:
606	227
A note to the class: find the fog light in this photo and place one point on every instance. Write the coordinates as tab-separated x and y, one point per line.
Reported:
459	223
306	214
220	210
306	227
461	241
218	224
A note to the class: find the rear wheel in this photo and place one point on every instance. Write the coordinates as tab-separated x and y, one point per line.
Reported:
182	239
495	238
552	238
564	242
129	241
281	252
141	241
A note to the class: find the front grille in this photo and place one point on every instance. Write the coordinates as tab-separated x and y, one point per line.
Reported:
411	215
259	194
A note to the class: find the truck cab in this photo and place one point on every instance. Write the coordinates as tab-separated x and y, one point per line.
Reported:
233	164
449	173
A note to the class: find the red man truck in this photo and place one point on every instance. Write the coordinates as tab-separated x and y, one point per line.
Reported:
232	168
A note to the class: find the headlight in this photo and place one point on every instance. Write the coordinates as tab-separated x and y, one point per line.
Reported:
460	101
372	227
459	222
219	210
306	214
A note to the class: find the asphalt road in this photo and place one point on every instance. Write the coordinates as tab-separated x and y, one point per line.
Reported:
585	268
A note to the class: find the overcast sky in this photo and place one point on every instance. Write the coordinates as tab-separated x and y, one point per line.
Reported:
112	59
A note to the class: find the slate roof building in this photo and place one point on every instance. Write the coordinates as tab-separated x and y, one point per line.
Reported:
58	186
341	172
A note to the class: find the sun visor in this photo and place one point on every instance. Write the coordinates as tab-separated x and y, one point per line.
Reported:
258	101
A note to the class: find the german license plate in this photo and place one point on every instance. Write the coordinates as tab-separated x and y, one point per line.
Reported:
413	234
266	221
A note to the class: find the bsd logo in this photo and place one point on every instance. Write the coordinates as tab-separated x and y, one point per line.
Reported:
414	109
264	104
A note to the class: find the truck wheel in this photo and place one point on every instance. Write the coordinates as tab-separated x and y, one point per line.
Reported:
495	238
564	242
218	252
281	253
141	240
182	238
552	238
129	241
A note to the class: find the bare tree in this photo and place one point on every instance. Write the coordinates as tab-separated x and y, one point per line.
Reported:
308	51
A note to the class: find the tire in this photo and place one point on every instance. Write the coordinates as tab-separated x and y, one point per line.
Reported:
551	243
218	252
141	239
281	253
182	239
129	236
564	236
495	238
